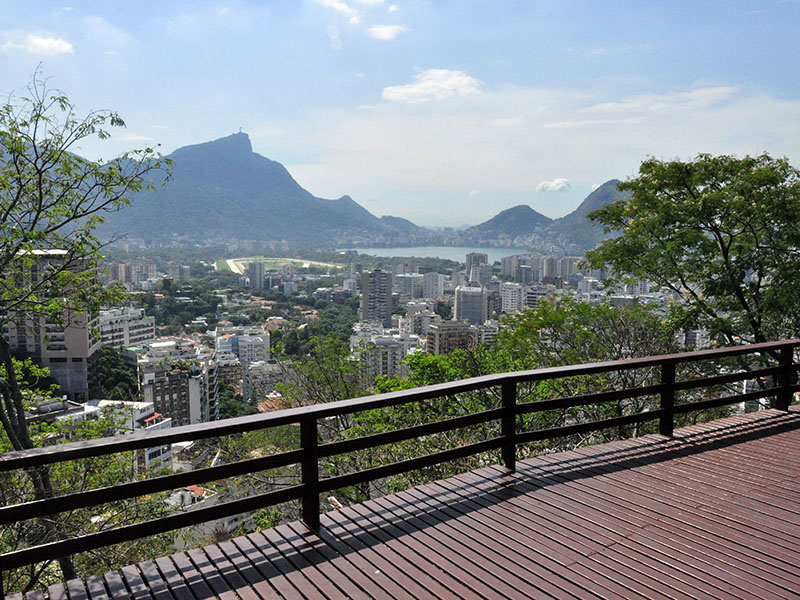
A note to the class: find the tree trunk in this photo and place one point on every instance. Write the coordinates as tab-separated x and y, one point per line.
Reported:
12	415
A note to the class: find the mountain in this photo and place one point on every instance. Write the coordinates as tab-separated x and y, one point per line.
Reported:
525	227
516	221
223	190
576	225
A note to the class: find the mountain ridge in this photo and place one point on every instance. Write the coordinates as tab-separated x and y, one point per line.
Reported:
222	190
522	225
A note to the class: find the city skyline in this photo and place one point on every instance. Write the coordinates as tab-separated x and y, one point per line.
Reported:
442	113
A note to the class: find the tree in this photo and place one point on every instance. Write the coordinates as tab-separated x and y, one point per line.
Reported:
721	232
112	378
51	202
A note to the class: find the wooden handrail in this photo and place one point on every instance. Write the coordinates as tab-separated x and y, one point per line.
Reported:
311	450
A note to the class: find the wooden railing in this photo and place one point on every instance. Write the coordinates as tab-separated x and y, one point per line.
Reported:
780	377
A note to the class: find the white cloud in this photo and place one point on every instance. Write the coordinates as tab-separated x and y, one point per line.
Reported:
408	162
666	103
433	84
393	8
42	46
386	32
559	184
343	9
508	122
474	193
132	137
370	2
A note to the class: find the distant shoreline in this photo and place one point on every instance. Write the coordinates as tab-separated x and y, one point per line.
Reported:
456	253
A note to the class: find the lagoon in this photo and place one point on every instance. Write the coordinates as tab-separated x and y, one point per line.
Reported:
457	253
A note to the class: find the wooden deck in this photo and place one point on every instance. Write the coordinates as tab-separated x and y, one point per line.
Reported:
713	513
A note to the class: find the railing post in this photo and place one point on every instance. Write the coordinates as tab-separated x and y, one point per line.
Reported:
310	470
666	423
785	379
508	424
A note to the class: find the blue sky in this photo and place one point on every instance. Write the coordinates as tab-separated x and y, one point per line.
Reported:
442	112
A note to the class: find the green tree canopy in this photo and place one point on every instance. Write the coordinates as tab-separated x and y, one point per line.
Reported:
51	202
719	231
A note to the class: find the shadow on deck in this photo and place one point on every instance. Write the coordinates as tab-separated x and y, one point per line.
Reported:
712	513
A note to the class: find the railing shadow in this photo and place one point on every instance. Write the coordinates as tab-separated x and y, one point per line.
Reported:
408	519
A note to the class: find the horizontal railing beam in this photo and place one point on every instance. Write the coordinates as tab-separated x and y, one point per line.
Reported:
399	435
404	466
586	399
125	491
725	400
705	382
93	541
555	432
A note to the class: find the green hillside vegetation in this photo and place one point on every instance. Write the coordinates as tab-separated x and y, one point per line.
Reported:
224	189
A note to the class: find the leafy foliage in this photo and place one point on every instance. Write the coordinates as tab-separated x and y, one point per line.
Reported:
111	378
51	202
721	233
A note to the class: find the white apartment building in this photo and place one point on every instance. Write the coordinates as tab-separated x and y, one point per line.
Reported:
64	346
253	345
487	332
380	350
512	296
432	285
123	327
248	343
410	283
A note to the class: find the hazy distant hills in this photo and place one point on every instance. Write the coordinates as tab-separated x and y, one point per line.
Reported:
222	189
523	226
513	222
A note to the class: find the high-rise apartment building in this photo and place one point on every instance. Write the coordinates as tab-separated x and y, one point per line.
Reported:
512	296
446	336
181	382
471	303
376	297
64	346
432	285
410	283
475	259
123	327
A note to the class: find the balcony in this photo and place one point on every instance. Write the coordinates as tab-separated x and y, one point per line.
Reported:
704	511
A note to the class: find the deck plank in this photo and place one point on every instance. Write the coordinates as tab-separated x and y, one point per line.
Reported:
211	575
135	583
116	586
230	573
391	571
176	584
318	585
96	588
